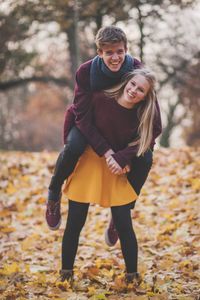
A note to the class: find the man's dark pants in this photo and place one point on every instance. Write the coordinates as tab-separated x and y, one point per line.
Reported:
73	149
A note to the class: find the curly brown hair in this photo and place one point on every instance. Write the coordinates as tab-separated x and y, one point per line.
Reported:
110	35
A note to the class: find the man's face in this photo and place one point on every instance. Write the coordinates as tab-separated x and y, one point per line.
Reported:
113	55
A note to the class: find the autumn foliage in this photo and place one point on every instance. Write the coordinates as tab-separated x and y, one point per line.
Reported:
165	220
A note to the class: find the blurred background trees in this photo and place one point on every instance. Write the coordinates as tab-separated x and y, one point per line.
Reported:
42	42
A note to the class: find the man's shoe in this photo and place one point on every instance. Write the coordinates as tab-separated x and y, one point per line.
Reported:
53	215
111	235
133	278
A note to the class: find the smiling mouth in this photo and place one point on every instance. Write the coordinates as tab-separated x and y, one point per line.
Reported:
115	64
131	95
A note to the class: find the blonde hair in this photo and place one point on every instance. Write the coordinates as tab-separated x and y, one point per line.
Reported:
146	108
110	35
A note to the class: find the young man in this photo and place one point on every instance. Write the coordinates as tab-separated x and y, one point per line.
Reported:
102	72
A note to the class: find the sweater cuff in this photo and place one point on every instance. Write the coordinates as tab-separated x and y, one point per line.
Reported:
120	159
101	149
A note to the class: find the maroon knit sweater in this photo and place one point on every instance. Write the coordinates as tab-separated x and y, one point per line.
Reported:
85	118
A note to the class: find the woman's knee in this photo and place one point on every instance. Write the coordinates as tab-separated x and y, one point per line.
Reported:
122	218
77	215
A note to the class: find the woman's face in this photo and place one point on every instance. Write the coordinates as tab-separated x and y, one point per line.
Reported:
135	91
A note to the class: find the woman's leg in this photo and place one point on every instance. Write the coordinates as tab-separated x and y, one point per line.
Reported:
140	167
77	215
123	223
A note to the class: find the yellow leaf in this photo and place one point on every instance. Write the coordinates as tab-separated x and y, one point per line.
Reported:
25	178
20	205
11	189
15	171
41	278
185	263
150	294
41	200
64	286
10	269
27	268
91	290
195	184
100	297
5	213
28	242
8	229
108	273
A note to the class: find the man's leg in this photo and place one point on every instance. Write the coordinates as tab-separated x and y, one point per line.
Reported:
140	167
67	159
65	164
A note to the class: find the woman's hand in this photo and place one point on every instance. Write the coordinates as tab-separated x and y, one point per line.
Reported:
126	169
108	153
115	168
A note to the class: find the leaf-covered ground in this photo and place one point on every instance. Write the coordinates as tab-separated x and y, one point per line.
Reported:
166	221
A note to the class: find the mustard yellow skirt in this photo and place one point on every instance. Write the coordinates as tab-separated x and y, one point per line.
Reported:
92	182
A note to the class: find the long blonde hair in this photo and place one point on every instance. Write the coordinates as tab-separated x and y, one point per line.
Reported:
146	108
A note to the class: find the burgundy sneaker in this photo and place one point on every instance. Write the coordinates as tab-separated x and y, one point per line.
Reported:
53	216
111	235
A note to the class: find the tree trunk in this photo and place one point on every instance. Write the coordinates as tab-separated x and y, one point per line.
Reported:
73	40
171	124
141	29
99	20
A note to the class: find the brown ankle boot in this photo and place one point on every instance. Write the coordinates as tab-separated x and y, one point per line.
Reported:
133	278
66	275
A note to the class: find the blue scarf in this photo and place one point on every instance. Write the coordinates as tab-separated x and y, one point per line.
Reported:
101	77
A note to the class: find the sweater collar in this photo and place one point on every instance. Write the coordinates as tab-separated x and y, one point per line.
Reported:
101	77
126	67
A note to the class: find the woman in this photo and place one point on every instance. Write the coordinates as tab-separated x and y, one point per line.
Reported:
129	127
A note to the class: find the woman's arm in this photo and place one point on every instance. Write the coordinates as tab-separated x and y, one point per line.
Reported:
124	157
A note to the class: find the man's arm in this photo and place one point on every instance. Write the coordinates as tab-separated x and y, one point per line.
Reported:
82	109
69	122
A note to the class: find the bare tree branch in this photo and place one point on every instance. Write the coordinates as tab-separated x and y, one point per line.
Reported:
45	79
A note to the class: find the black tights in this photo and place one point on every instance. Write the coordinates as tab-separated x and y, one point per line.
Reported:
77	215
